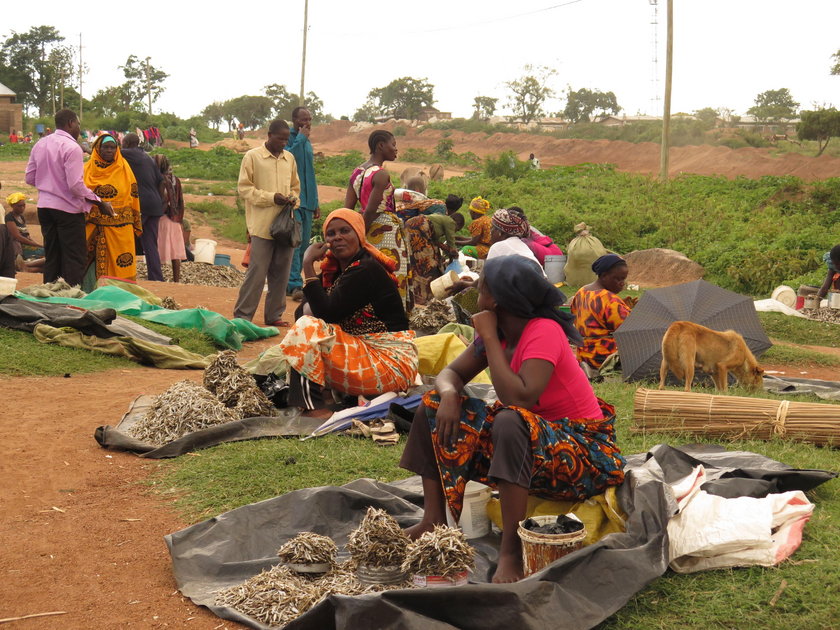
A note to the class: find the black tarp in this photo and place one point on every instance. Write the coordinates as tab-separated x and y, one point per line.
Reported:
288	423
578	591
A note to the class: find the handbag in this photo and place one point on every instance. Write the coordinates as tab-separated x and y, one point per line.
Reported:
285	228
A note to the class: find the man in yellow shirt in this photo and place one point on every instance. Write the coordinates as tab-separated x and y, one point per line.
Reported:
268	179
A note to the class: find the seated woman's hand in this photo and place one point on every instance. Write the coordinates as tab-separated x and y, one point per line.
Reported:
485	323
314	252
448	420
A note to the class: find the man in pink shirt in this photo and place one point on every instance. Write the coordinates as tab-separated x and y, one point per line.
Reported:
56	169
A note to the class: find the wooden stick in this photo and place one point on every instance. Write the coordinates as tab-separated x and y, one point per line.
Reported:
46	614
778	594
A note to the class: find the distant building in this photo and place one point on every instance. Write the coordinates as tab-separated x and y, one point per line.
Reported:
429	113
11	113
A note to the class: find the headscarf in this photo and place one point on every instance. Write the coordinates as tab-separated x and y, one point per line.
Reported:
479	205
115	183
519	286
329	265
606	262
15	198
511	223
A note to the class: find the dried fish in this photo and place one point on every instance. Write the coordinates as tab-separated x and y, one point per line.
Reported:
199	273
183	408
278	595
443	551
235	387
830	315
308	548
378	541
169	302
432	317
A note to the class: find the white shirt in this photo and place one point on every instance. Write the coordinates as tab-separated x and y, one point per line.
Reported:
513	246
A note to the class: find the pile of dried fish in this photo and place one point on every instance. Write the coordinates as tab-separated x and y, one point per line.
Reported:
278	595
443	551
183	408
198	273
830	315
308	548
378	541
235	387
170	303
432	317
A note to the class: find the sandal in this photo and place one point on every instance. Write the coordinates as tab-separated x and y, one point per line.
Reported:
280	324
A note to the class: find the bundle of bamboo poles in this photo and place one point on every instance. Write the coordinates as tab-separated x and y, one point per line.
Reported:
735	417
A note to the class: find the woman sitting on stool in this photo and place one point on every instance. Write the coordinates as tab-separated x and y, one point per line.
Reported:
547	435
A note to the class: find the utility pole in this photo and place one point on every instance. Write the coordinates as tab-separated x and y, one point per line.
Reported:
81	99
301	101
149	85
666	116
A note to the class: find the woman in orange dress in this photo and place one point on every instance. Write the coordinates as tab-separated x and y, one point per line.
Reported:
599	311
479	242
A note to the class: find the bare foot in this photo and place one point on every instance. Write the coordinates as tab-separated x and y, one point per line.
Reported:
415	531
509	569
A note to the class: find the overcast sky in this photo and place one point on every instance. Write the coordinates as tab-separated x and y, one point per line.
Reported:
725	51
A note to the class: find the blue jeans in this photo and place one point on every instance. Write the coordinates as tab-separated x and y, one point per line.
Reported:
304	215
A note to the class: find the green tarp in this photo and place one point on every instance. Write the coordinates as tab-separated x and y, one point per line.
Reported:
229	333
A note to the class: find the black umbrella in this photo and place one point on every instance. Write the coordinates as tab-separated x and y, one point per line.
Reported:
639	338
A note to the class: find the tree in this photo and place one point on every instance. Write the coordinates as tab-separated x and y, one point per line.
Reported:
774	106
61	71
401	98
213	114
821	125
251	111
583	103
835	69
144	82
283	101
530	93
25	65
484	107
113	100
708	116
316	107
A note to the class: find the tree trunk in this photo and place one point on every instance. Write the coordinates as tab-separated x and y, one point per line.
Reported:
822	146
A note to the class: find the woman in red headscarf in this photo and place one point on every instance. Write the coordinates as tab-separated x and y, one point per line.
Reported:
353	336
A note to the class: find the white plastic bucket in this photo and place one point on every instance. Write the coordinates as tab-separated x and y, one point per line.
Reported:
834	299
784	294
474	520
7	286
555	268
440	286
205	250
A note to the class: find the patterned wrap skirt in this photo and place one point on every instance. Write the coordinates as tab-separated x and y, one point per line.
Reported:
573	459
426	261
367	365
387	234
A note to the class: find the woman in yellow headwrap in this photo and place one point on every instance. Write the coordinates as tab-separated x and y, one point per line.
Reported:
479	244
110	239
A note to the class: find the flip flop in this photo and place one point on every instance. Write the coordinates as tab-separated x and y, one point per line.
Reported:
280	324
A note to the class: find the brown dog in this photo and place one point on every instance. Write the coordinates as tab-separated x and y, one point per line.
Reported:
687	344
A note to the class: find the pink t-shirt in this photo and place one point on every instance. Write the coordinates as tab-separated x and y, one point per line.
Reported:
568	393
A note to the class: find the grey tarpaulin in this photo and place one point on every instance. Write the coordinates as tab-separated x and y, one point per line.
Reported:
639	338
288	423
786	385
25	315
578	591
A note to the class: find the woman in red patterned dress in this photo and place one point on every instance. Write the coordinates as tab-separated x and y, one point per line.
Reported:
547	434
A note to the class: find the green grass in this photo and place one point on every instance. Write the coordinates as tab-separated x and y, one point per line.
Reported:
798	356
14	152
799	330
188	338
231	475
227	221
23	355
